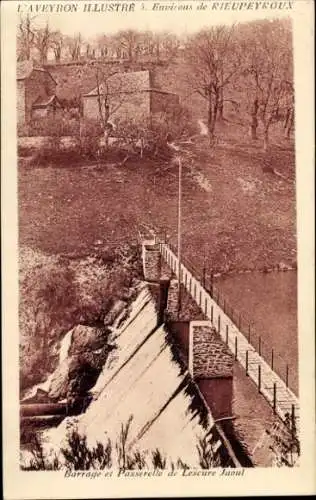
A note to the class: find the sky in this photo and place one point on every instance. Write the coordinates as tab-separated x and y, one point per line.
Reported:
90	24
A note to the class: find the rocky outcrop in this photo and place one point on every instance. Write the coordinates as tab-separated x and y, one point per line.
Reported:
78	371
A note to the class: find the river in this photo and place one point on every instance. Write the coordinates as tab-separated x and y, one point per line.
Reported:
268	301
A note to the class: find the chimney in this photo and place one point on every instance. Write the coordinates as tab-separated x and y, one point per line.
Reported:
151	258
211	366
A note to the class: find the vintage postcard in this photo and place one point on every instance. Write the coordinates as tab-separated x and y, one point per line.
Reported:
157	248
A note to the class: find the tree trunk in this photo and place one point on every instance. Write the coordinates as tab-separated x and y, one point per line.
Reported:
221	105
254	120
214	118
266	139
289	123
210	115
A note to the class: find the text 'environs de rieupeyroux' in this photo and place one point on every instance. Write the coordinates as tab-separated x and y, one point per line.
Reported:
104	7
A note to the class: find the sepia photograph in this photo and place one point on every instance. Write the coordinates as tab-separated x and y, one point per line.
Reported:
157	241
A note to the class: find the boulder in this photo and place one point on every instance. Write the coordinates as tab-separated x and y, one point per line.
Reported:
114	312
87	338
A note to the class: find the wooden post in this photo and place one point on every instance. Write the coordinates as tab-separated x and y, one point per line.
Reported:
287	376
205	306
224	306
259	345
236	347
227	334
247	362
190	285
203	276
239	321
219	323
259	379
272	358
274	397
185	280
212	313
200	301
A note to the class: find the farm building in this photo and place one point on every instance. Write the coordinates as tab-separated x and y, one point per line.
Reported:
36	92
128	95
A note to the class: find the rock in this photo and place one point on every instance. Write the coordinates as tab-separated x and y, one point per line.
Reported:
114	312
86	338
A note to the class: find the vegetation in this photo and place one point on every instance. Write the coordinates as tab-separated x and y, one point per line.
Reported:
56	293
78	455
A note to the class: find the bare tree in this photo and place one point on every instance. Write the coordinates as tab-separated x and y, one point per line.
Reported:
215	60
43	41
129	41
74	45
268	75
25	37
57	44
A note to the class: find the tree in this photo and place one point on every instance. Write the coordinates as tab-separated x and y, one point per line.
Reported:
25	37
129	41
268	74
111	94
74	45
214	61
57	44
43	41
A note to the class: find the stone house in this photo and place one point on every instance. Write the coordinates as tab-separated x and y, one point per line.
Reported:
36	92
129	95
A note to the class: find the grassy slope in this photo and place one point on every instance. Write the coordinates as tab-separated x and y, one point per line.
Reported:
245	220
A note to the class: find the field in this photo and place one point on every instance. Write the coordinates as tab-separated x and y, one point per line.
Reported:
235	214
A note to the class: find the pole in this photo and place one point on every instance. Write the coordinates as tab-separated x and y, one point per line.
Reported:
179	234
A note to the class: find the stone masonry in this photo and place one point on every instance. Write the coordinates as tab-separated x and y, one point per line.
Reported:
172	303
211	365
211	357
151	261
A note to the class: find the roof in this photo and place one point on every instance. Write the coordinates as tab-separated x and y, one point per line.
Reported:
43	103
24	70
133	81
142	382
128	82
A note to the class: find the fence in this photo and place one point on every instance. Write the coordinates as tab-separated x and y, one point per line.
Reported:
274	359
229	325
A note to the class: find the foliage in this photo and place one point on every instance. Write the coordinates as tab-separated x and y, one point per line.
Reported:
151	138
56	294
77	455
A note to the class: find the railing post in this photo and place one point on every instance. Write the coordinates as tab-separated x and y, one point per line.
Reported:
287	375
259	345
219	323
259	379
224	306
190	282
247	362
200	301
212	285
203	276
205	306
236	347
293	423
272	358
212	313
274	397
239	321
227	334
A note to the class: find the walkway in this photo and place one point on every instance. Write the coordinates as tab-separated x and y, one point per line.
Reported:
283	401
